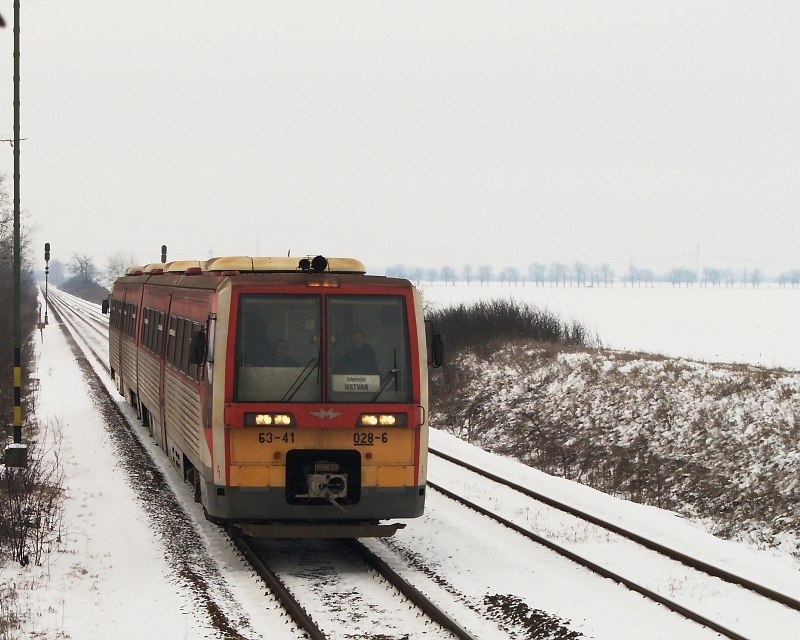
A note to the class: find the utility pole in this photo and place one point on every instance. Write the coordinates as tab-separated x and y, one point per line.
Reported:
16	454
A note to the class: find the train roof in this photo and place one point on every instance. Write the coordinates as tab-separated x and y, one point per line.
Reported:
233	265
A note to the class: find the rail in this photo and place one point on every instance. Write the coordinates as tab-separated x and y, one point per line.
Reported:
683	558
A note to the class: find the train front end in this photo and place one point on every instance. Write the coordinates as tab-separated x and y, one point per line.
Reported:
319	411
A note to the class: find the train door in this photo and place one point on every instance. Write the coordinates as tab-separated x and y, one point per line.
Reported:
160	429
121	320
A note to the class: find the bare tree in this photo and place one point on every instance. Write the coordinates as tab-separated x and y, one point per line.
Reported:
558	271
416	275
467	272
448	275
536	272
580	269
117	265
432	274
756	276
607	274
83	268
485	273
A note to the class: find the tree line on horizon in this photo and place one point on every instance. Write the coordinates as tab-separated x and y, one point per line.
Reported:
84	273
583	275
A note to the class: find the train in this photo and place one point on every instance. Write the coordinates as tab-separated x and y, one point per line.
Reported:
291	394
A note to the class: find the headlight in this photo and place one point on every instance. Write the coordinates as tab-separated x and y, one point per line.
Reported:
382	419
269	420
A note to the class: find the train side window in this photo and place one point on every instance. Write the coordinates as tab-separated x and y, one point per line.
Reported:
151	331
190	329
134	309
159	329
176	362
145	332
186	337
173	326
128	318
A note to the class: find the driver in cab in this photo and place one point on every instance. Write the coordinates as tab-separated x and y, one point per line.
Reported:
360	359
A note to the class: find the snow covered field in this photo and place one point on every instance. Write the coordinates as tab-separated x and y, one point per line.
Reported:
753	326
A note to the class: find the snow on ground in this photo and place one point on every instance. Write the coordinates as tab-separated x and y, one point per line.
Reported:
753	326
728	604
112	573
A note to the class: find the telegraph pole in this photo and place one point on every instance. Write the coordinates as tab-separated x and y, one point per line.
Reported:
16	455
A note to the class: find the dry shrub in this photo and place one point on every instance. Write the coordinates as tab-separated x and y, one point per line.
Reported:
31	500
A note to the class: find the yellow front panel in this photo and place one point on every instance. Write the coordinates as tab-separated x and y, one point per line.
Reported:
277	476
387	446
253	461
395	476
250	476
258	446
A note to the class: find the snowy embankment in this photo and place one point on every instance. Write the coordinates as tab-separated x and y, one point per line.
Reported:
707	440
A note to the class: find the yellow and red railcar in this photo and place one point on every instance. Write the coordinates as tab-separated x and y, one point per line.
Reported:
292	394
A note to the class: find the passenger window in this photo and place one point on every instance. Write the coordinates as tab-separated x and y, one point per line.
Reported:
173	327
186	337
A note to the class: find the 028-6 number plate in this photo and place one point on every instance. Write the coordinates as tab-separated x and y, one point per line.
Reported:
369	438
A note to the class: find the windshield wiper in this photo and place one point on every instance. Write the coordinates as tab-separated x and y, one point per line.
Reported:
287	397
392	375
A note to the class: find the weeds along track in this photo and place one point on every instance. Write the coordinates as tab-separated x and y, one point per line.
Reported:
756	593
345	589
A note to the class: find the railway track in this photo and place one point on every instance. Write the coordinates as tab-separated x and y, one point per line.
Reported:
86	330
683	558
596	567
91	328
376	564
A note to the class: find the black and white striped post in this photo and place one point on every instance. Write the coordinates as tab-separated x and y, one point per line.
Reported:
16	454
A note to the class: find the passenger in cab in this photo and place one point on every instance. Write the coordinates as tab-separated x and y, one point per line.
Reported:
282	359
359	359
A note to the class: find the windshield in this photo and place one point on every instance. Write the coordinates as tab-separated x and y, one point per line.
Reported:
368	356
277	349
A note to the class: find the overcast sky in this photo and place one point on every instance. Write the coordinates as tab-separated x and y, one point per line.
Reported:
425	133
